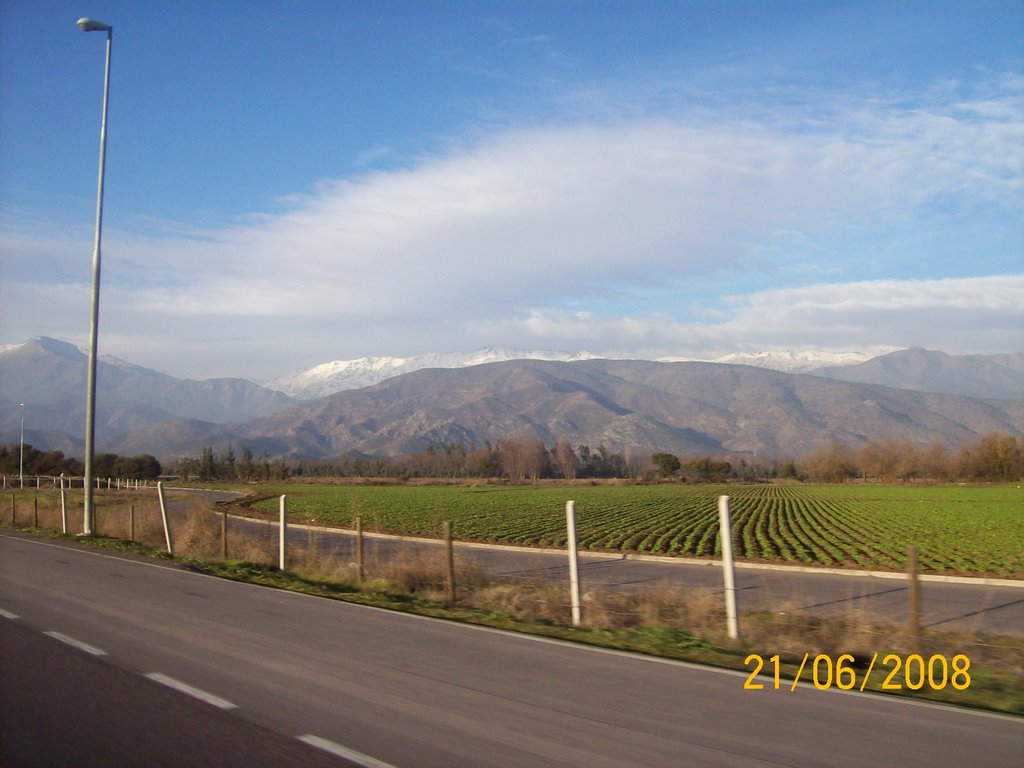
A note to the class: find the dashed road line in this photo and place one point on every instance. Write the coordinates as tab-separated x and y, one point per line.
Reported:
185	688
8	614
341	751
91	649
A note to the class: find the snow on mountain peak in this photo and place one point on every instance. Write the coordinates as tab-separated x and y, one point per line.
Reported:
328	378
795	361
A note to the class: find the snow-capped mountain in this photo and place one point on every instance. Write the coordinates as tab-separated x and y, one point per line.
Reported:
338	375
797	361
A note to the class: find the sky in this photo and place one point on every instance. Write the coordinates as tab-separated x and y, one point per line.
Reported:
290	183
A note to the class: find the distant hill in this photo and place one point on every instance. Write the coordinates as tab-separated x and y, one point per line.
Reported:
991	376
684	408
49	376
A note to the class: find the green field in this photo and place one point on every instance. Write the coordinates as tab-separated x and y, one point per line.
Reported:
975	530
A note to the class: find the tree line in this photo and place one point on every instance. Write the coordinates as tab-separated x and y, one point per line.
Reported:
53	463
994	457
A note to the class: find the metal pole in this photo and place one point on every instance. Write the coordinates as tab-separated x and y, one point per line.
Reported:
90	403
574	562
725	529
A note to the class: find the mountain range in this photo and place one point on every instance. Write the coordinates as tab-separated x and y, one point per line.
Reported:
683	407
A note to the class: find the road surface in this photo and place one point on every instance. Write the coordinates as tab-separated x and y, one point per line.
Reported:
390	689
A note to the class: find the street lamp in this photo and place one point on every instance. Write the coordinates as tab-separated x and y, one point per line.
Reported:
90	25
21	460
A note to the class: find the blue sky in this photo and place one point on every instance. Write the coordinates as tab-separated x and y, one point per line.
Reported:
295	182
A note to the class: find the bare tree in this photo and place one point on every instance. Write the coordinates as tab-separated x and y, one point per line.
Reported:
565	459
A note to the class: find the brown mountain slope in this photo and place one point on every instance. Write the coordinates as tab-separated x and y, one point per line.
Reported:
684	408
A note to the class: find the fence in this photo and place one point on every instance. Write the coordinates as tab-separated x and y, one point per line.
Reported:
785	609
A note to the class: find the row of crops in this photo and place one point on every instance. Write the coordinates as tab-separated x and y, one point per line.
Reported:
957	529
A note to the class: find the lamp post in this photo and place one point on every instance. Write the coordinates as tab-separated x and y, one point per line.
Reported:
21	460
90	25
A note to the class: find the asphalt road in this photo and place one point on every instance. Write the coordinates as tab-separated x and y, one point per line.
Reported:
392	689
66	707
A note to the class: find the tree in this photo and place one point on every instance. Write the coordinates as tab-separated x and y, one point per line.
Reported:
832	464
565	459
245	465
996	456
666	464
207	464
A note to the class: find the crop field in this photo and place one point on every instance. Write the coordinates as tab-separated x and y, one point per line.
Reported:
974	530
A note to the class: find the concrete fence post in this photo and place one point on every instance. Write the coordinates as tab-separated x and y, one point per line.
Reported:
63	507
163	516
282	546
728	572
574	562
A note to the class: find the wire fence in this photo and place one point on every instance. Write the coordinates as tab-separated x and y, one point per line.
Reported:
779	612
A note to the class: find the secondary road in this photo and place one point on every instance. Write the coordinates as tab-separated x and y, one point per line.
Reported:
392	689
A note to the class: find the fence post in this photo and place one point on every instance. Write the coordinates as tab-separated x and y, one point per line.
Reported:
449	561
224	533
282	547
914	587
725	529
163	515
63	507
359	548
574	562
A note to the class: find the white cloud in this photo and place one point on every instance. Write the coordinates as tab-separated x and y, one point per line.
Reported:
510	236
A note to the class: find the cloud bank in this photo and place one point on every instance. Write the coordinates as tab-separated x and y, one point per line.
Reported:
693	235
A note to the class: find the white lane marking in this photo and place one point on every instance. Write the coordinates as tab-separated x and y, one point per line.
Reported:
349	754
8	614
92	649
185	688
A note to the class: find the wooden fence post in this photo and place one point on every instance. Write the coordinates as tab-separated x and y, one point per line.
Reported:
914	587
359	548
449	561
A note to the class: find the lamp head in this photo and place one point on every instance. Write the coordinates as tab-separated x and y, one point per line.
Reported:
91	25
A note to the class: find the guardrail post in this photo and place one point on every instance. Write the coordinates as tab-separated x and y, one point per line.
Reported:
728	572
